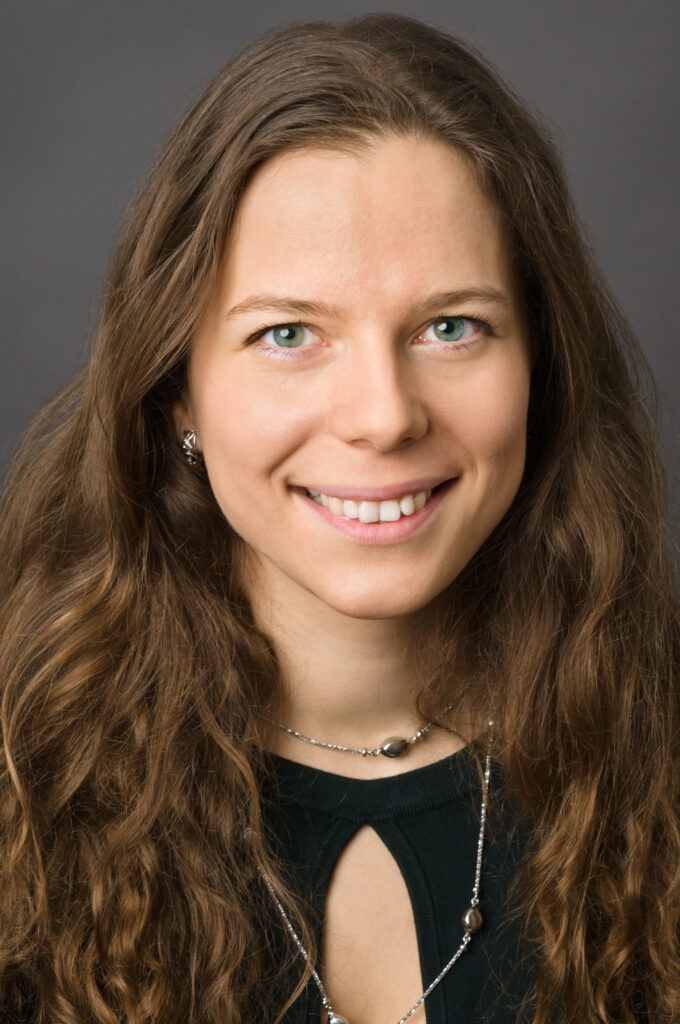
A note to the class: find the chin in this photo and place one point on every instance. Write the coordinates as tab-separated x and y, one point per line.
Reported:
377	603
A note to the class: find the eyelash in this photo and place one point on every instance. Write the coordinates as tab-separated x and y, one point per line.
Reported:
300	353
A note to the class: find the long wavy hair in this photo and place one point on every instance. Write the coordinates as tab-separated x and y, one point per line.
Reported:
131	668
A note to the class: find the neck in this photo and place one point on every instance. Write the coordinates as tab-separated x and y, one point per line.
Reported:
348	681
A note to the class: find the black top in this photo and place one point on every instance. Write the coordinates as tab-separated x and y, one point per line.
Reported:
429	820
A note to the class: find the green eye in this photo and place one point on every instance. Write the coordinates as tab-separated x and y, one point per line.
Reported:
450	329
288	335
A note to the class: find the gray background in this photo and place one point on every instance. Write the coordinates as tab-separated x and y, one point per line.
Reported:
92	88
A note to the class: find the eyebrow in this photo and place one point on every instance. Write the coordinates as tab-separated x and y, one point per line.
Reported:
309	307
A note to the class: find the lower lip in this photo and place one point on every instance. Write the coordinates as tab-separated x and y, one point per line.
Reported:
378	533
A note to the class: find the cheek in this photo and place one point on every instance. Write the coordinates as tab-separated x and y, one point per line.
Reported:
245	431
488	417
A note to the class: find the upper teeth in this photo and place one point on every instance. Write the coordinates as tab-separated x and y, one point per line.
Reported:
372	511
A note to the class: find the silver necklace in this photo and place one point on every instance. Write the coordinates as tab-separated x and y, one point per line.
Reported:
393	746
471	920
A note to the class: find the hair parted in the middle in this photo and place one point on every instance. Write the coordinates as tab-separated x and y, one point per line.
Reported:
132	669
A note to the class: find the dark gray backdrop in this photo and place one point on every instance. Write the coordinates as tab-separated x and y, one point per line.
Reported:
92	88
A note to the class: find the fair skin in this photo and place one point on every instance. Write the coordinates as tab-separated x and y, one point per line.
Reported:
388	385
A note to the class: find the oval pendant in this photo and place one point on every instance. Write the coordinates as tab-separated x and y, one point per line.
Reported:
335	1019
472	920
394	746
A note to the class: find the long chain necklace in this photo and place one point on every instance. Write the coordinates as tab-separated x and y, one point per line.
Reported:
393	746
471	919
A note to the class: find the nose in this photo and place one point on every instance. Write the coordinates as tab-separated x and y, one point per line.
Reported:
376	399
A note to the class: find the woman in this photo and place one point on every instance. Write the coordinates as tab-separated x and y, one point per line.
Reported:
359	467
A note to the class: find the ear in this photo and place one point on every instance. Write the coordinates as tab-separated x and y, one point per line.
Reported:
183	418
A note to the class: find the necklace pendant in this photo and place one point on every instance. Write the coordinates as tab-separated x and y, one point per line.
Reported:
472	920
394	746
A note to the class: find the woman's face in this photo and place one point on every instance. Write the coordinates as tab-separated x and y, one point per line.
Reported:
393	356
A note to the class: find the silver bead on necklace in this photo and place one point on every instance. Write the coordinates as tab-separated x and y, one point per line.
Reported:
393	746
471	920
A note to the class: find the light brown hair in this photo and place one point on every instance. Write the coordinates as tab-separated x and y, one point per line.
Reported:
130	663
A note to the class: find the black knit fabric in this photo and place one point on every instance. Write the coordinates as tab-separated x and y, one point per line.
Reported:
429	820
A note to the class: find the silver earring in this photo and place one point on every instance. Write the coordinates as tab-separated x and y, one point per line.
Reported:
191	454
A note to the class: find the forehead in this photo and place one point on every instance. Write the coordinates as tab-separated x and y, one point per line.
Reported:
403	216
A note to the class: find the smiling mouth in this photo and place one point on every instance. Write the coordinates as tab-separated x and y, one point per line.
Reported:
388	511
